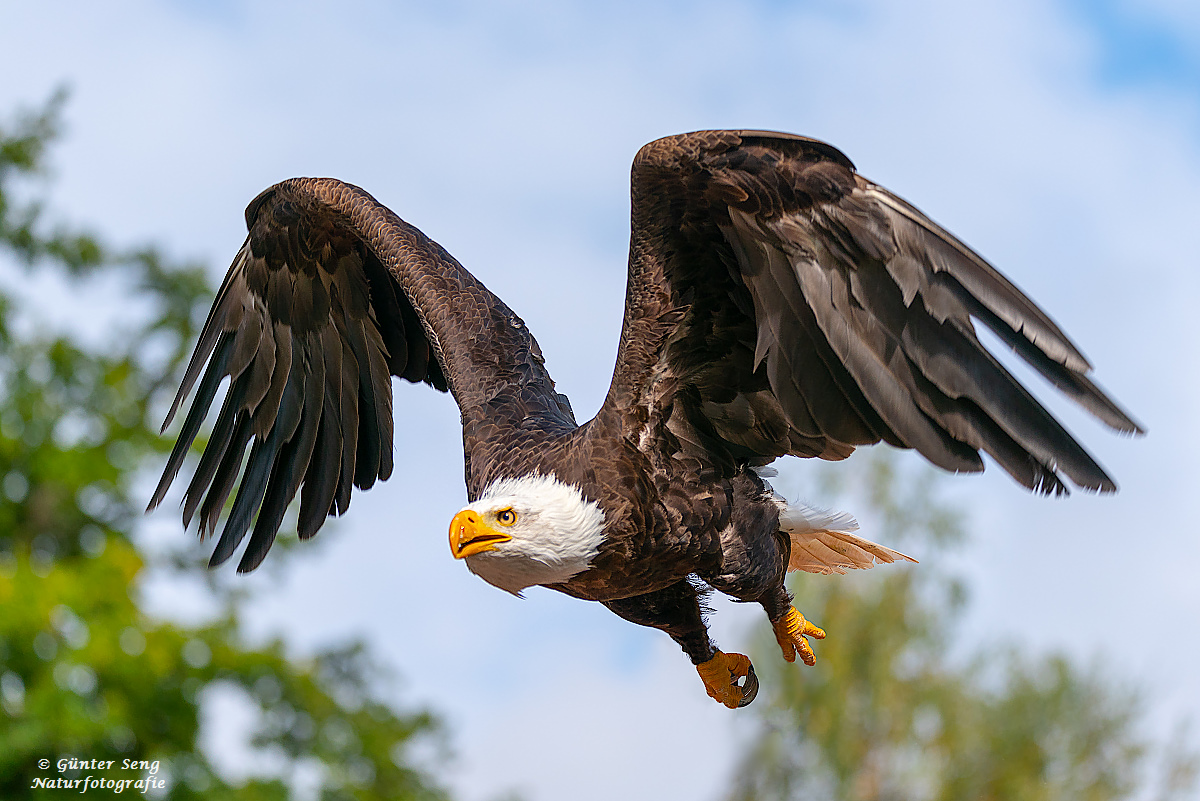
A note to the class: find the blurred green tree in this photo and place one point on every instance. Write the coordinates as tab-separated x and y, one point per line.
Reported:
894	709
85	672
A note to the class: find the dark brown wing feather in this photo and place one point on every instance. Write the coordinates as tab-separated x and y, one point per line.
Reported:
330	296
779	303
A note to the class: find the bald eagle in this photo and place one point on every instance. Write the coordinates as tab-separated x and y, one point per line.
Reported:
777	303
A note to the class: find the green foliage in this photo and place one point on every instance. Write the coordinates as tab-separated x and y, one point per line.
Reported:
85	672
889	713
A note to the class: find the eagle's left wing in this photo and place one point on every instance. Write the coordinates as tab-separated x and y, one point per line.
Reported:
779	303
330	296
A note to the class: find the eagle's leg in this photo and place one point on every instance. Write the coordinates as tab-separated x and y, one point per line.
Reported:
720	676
676	610
753	568
792	632
791	628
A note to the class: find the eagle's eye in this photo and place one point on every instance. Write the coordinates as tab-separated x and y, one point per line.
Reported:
506	517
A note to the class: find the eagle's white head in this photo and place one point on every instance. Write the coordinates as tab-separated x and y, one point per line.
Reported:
525	531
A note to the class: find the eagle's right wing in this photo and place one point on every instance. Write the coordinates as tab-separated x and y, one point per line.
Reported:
780	303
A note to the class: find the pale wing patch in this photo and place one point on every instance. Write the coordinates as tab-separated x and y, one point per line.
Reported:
822	542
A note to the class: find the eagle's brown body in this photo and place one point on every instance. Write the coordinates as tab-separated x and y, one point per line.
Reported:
777	303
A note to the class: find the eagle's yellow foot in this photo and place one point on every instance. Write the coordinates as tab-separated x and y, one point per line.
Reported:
791	632
720	675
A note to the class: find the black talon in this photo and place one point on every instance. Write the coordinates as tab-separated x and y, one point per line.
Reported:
749	688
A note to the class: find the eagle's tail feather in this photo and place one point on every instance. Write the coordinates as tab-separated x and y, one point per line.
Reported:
822	542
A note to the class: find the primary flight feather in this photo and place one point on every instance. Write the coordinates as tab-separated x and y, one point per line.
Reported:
777	303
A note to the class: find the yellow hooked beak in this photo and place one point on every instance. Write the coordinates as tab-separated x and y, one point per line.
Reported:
469	535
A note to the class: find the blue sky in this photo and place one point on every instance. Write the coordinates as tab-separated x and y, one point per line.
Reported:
1060	140
1143	45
